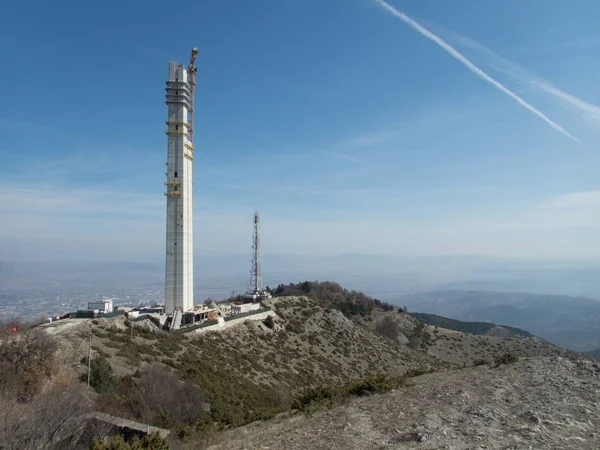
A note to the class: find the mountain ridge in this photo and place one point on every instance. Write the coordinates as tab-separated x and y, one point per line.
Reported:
564	320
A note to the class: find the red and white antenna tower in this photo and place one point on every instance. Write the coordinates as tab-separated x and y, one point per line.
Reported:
255	277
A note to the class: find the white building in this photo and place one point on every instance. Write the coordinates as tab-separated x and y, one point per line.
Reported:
244	308
179	276
103	306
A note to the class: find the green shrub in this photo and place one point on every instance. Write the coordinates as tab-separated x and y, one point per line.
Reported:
507	358
99	351
150	442
269	322
325	396
332	295
295	326
101	375
313	397
234	401
374	384
131	353
388	328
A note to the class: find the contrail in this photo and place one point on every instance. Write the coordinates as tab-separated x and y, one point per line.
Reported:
592	110
518	73
472	67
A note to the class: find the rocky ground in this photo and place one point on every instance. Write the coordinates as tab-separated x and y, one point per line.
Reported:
548	399
307	344
465	349
535	403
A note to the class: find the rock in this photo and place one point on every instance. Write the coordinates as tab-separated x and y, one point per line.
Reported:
531	417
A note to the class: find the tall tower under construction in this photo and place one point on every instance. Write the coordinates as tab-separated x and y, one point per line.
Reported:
179	271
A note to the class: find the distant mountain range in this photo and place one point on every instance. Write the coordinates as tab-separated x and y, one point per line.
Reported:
594	353
571	322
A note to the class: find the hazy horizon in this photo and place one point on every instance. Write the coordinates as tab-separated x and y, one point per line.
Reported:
378	275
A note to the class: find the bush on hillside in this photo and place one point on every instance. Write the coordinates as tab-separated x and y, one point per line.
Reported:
507	358
101	375
332	295
388	328
325	396
35	413
27	360
167	400
150	442
269	322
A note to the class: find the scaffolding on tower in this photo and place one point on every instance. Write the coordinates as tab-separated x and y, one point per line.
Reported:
192	70
255	291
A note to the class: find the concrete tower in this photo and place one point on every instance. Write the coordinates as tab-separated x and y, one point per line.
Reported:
179	275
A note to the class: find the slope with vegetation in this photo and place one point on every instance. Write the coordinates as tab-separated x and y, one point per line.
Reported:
321	345
41	405
538	403
465	349
245	373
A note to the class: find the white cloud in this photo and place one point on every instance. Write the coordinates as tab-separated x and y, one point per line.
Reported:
76	201
116	238
107	225
584	200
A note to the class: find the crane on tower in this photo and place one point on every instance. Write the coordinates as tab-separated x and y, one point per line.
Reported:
192	70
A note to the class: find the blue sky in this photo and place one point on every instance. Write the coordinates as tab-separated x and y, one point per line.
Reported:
350	130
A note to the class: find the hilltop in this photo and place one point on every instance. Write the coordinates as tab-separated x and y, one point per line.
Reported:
247	372
464	349
318	341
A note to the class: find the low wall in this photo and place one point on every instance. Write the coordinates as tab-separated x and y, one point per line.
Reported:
127	427
142	317
236	320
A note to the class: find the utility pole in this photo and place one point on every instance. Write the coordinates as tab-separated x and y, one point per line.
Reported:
90	356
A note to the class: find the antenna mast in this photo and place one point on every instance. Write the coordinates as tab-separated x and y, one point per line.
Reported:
255	281
255	290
